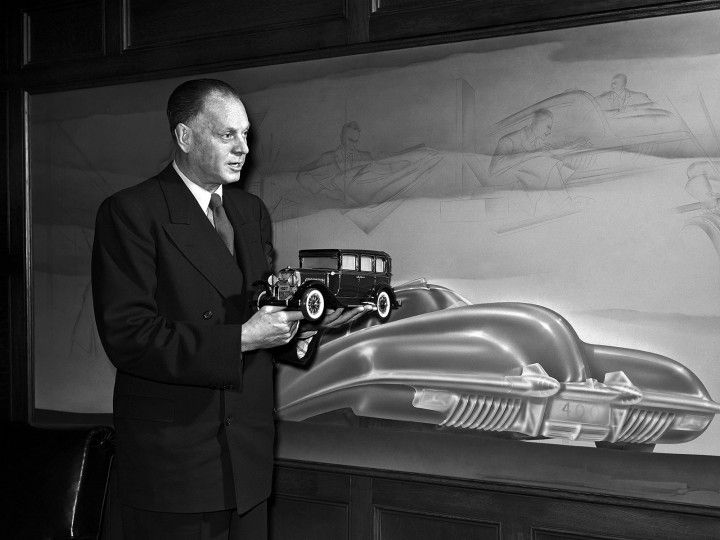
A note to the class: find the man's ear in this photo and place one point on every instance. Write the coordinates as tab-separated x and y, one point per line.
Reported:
183	136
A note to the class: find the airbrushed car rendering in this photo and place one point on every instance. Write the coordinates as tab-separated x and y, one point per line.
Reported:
512	369
332	278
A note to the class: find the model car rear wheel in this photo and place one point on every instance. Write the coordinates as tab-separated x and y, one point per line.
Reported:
383	305
312	304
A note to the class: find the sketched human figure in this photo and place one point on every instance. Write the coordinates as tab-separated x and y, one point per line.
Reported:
620	97
700	175
320	176
527	156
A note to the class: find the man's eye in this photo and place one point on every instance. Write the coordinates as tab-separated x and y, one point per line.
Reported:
227	136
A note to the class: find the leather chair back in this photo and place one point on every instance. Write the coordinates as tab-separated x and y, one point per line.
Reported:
56	481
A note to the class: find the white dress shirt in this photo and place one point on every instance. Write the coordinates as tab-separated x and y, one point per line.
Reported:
202	196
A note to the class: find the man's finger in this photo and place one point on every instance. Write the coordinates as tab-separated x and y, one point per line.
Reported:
347	316
272	309
333	314
291	316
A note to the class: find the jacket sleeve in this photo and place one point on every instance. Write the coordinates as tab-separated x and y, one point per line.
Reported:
137	338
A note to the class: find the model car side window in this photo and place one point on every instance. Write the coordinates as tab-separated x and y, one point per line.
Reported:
319	262
366	263
380	265
349	262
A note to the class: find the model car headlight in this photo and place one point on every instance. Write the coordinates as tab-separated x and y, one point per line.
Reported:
691	422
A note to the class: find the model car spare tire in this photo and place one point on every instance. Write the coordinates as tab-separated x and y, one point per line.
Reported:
312	304
383	305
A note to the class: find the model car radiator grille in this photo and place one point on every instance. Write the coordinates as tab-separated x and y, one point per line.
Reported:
643	426
483	412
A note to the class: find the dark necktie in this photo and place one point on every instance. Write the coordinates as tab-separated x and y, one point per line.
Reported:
222	223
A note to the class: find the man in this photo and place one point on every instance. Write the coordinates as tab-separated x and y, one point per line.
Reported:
326	175
173	262
527	158
527	140
620	97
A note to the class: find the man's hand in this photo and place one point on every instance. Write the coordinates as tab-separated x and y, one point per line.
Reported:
341	317
270	326
334	318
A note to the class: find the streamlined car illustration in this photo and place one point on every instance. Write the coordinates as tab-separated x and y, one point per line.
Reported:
332	278
508	368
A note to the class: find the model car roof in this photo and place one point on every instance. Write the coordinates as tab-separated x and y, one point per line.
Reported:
332	252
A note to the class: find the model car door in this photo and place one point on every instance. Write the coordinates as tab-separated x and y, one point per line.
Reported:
348	283
366	276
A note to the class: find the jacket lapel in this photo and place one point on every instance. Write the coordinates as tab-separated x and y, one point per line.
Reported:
248	236
193	234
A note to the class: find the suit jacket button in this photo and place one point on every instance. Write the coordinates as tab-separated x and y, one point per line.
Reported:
228	420
228	387
208	315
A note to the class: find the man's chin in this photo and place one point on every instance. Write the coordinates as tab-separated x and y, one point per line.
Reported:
232	178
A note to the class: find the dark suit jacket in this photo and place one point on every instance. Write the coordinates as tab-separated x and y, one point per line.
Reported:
194	415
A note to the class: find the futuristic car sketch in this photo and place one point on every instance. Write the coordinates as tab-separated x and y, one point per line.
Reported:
332	278
514	368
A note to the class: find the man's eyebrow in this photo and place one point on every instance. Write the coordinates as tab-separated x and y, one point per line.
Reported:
233	130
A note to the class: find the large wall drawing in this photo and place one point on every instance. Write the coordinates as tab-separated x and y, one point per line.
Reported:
576	169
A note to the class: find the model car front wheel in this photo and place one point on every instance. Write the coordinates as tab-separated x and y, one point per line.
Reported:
383	305
312	305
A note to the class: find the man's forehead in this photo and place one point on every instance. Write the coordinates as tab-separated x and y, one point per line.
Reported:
224	110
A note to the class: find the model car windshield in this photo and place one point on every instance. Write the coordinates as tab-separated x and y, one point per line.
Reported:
319	262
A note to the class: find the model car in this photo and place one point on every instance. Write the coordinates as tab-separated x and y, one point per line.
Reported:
511	369
332	278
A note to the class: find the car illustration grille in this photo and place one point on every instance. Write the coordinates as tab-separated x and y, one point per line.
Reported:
643	426
485	413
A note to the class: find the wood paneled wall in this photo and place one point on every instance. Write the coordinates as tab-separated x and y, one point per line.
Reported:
321	501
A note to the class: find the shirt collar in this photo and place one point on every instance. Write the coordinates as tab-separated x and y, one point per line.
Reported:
202	196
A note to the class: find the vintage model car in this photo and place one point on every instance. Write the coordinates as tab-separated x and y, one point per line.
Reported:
510	368
332	278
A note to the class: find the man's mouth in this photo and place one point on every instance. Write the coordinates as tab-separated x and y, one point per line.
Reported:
236	165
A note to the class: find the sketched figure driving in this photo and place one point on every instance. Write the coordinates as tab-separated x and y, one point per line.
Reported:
321	175
620	97
527	159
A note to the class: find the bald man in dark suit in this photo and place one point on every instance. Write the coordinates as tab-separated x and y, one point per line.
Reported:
173	260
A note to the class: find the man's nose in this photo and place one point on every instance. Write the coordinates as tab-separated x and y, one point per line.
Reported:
241	147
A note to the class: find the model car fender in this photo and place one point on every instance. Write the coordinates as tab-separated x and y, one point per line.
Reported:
331	300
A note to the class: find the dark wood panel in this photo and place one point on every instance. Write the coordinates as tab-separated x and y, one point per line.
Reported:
297	519
171	21
396	19
312	484
18	227
64	31
538	534
5	373
188	58
396	525
522	512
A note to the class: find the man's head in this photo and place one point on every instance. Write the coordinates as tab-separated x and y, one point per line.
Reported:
619	82
541	123
350	134
210	127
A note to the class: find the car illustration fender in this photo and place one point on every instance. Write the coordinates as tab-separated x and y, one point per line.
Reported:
515	368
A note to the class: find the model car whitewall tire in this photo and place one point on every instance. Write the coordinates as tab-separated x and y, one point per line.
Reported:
383	305
312	305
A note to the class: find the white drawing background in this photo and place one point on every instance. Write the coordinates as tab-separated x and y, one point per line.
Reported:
611	252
